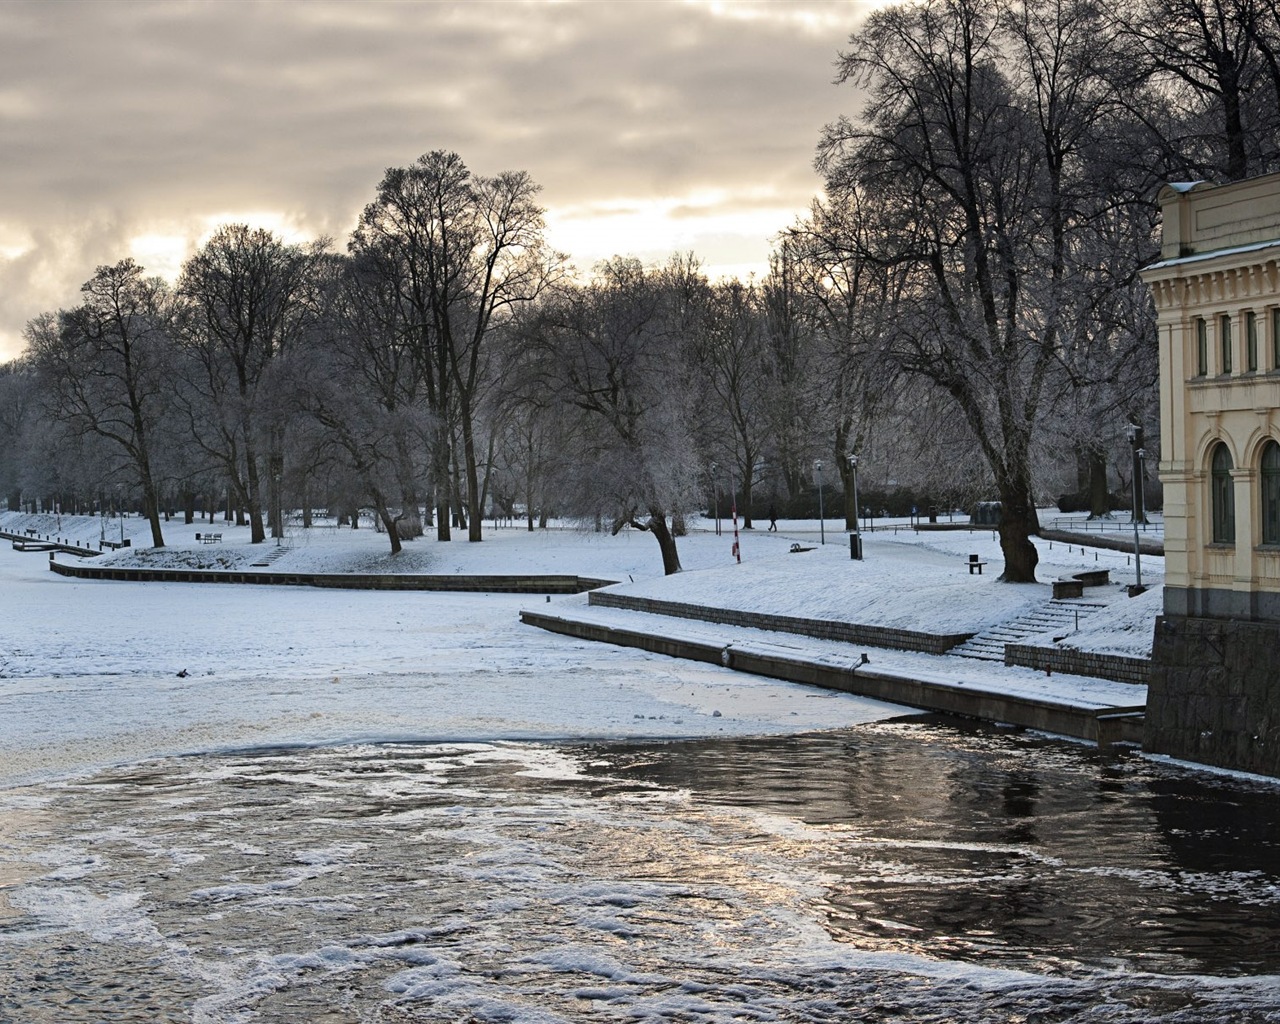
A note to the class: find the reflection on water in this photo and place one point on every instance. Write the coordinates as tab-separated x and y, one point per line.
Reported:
904	871
1015	851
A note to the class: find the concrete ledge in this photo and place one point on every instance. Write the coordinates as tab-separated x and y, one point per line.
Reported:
1085	723
49	543
1079	663
549	584
820	629
1114	541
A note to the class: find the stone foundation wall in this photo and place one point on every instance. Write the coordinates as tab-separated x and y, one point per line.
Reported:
1214	695
1079	663
822	629
550	584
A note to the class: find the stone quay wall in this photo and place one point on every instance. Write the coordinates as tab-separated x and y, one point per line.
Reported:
821	629
1080	663
1214	695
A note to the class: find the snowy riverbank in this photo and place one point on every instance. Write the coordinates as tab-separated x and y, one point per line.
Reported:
95	673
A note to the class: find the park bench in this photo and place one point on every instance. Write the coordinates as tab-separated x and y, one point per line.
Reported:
116	544
209	538
975	563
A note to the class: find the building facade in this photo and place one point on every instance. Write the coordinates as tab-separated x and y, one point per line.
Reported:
1215	685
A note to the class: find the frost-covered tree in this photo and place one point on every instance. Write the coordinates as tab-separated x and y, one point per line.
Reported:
249	298
612	352
106	368
462	252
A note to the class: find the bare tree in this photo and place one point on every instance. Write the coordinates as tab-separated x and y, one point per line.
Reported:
1214	61
464	251
966	161
730	355
250	297
612	350
18	415
106	366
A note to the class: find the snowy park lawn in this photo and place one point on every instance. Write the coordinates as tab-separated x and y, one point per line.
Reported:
101	672
908	579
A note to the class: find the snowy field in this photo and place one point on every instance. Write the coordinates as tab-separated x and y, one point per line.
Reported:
98	672
95	673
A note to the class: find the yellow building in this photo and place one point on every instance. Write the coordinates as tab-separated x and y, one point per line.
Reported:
1216	660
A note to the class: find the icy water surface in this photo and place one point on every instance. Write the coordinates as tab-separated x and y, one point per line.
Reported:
906	871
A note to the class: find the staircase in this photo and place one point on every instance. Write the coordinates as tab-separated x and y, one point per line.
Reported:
1056	617
269	556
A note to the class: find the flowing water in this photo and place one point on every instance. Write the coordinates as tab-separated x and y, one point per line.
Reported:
906	871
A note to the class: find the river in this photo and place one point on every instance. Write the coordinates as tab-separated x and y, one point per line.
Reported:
916	869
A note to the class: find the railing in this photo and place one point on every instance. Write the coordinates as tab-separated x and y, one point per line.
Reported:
1074	524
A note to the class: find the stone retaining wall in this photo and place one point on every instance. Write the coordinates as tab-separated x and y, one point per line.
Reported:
1114	541
1098	725
344	581
821	629
1214	693
1080	663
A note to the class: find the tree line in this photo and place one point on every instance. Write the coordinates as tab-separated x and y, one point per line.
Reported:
960	307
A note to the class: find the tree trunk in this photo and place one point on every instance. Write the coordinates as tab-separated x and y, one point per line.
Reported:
472	471
151	506
1099	499
253	494
388	521
1018	524
666	542
441	472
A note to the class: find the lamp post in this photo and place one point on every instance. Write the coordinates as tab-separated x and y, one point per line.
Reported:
1134	433
822	525
856	546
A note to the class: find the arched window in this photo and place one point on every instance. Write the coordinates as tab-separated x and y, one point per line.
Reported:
1270	493
1222	495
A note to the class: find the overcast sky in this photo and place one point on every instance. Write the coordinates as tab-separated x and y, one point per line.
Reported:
133	128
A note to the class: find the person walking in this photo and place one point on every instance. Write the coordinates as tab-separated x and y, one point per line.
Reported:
773	519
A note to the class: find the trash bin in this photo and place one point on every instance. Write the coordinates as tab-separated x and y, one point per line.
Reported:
855	546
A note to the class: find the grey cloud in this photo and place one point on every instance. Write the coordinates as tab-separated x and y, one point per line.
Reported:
125	114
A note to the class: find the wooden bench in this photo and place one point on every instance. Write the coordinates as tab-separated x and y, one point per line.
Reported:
975	563
116	544
209	538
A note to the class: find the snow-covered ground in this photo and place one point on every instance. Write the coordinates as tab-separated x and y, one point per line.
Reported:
104	672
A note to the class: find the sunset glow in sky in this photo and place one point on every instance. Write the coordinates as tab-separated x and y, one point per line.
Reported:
132	129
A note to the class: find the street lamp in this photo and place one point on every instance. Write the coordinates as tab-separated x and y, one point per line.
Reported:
856	546
822	525
1134	433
